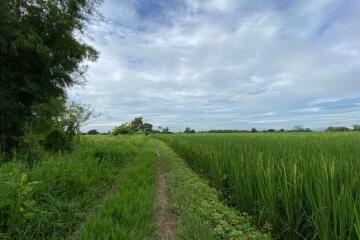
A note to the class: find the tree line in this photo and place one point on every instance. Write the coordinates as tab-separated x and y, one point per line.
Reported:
138	126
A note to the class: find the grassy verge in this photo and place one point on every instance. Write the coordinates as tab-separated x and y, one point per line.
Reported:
47	200
199	212
129	212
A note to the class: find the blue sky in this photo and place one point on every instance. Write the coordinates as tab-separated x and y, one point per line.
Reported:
225	64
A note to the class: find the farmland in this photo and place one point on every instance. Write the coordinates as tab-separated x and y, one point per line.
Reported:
216	186
114	187
302	185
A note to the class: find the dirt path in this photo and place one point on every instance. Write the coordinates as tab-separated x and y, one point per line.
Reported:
165	220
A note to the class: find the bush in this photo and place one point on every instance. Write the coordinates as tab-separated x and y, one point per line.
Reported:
16	202
125	128
58	141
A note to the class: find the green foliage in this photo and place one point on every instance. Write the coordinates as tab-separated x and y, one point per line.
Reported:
66	127
356	127
307	186
147	128
40	56
124	128
70	186
189	130
93	132
338	129
136	126
16	202
165	130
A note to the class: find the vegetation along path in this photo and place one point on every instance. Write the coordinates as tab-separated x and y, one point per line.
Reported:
160	197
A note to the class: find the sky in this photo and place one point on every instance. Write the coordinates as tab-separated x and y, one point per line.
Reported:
225	64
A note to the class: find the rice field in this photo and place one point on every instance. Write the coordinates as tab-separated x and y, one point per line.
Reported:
299	185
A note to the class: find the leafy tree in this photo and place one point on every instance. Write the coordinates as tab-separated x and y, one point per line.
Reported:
337	129
93	132
124	128
40	56
147	128
356	127
189	130
137	124
299	128
253	130
165	130
66	128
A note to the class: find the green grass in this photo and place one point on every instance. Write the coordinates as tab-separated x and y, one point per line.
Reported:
129	213
199	212
51	198
306	185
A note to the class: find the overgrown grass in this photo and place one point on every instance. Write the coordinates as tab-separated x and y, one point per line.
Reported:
307	185
199	212
49	199
129	212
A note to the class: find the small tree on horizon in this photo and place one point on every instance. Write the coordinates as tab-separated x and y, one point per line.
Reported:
189	130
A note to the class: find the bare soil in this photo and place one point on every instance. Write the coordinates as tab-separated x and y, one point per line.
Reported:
165	220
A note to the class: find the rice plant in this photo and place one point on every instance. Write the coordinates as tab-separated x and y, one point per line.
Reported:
305	185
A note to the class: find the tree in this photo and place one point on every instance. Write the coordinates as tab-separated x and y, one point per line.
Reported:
124	128
40	56
253	130
298	128
66	127
93	132
189	130
147	128
337	129
137	124
165	130
356	127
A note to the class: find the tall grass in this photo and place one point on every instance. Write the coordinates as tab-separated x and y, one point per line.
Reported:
306	185
49	199
128	213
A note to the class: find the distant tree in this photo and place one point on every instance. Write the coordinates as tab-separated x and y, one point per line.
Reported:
124	128
338	129
93	132
356	127
165	130
147	128
189	130
298	128
226	131
137	124
271	130
282	130
253	130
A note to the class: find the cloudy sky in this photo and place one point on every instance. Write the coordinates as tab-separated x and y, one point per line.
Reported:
225	64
